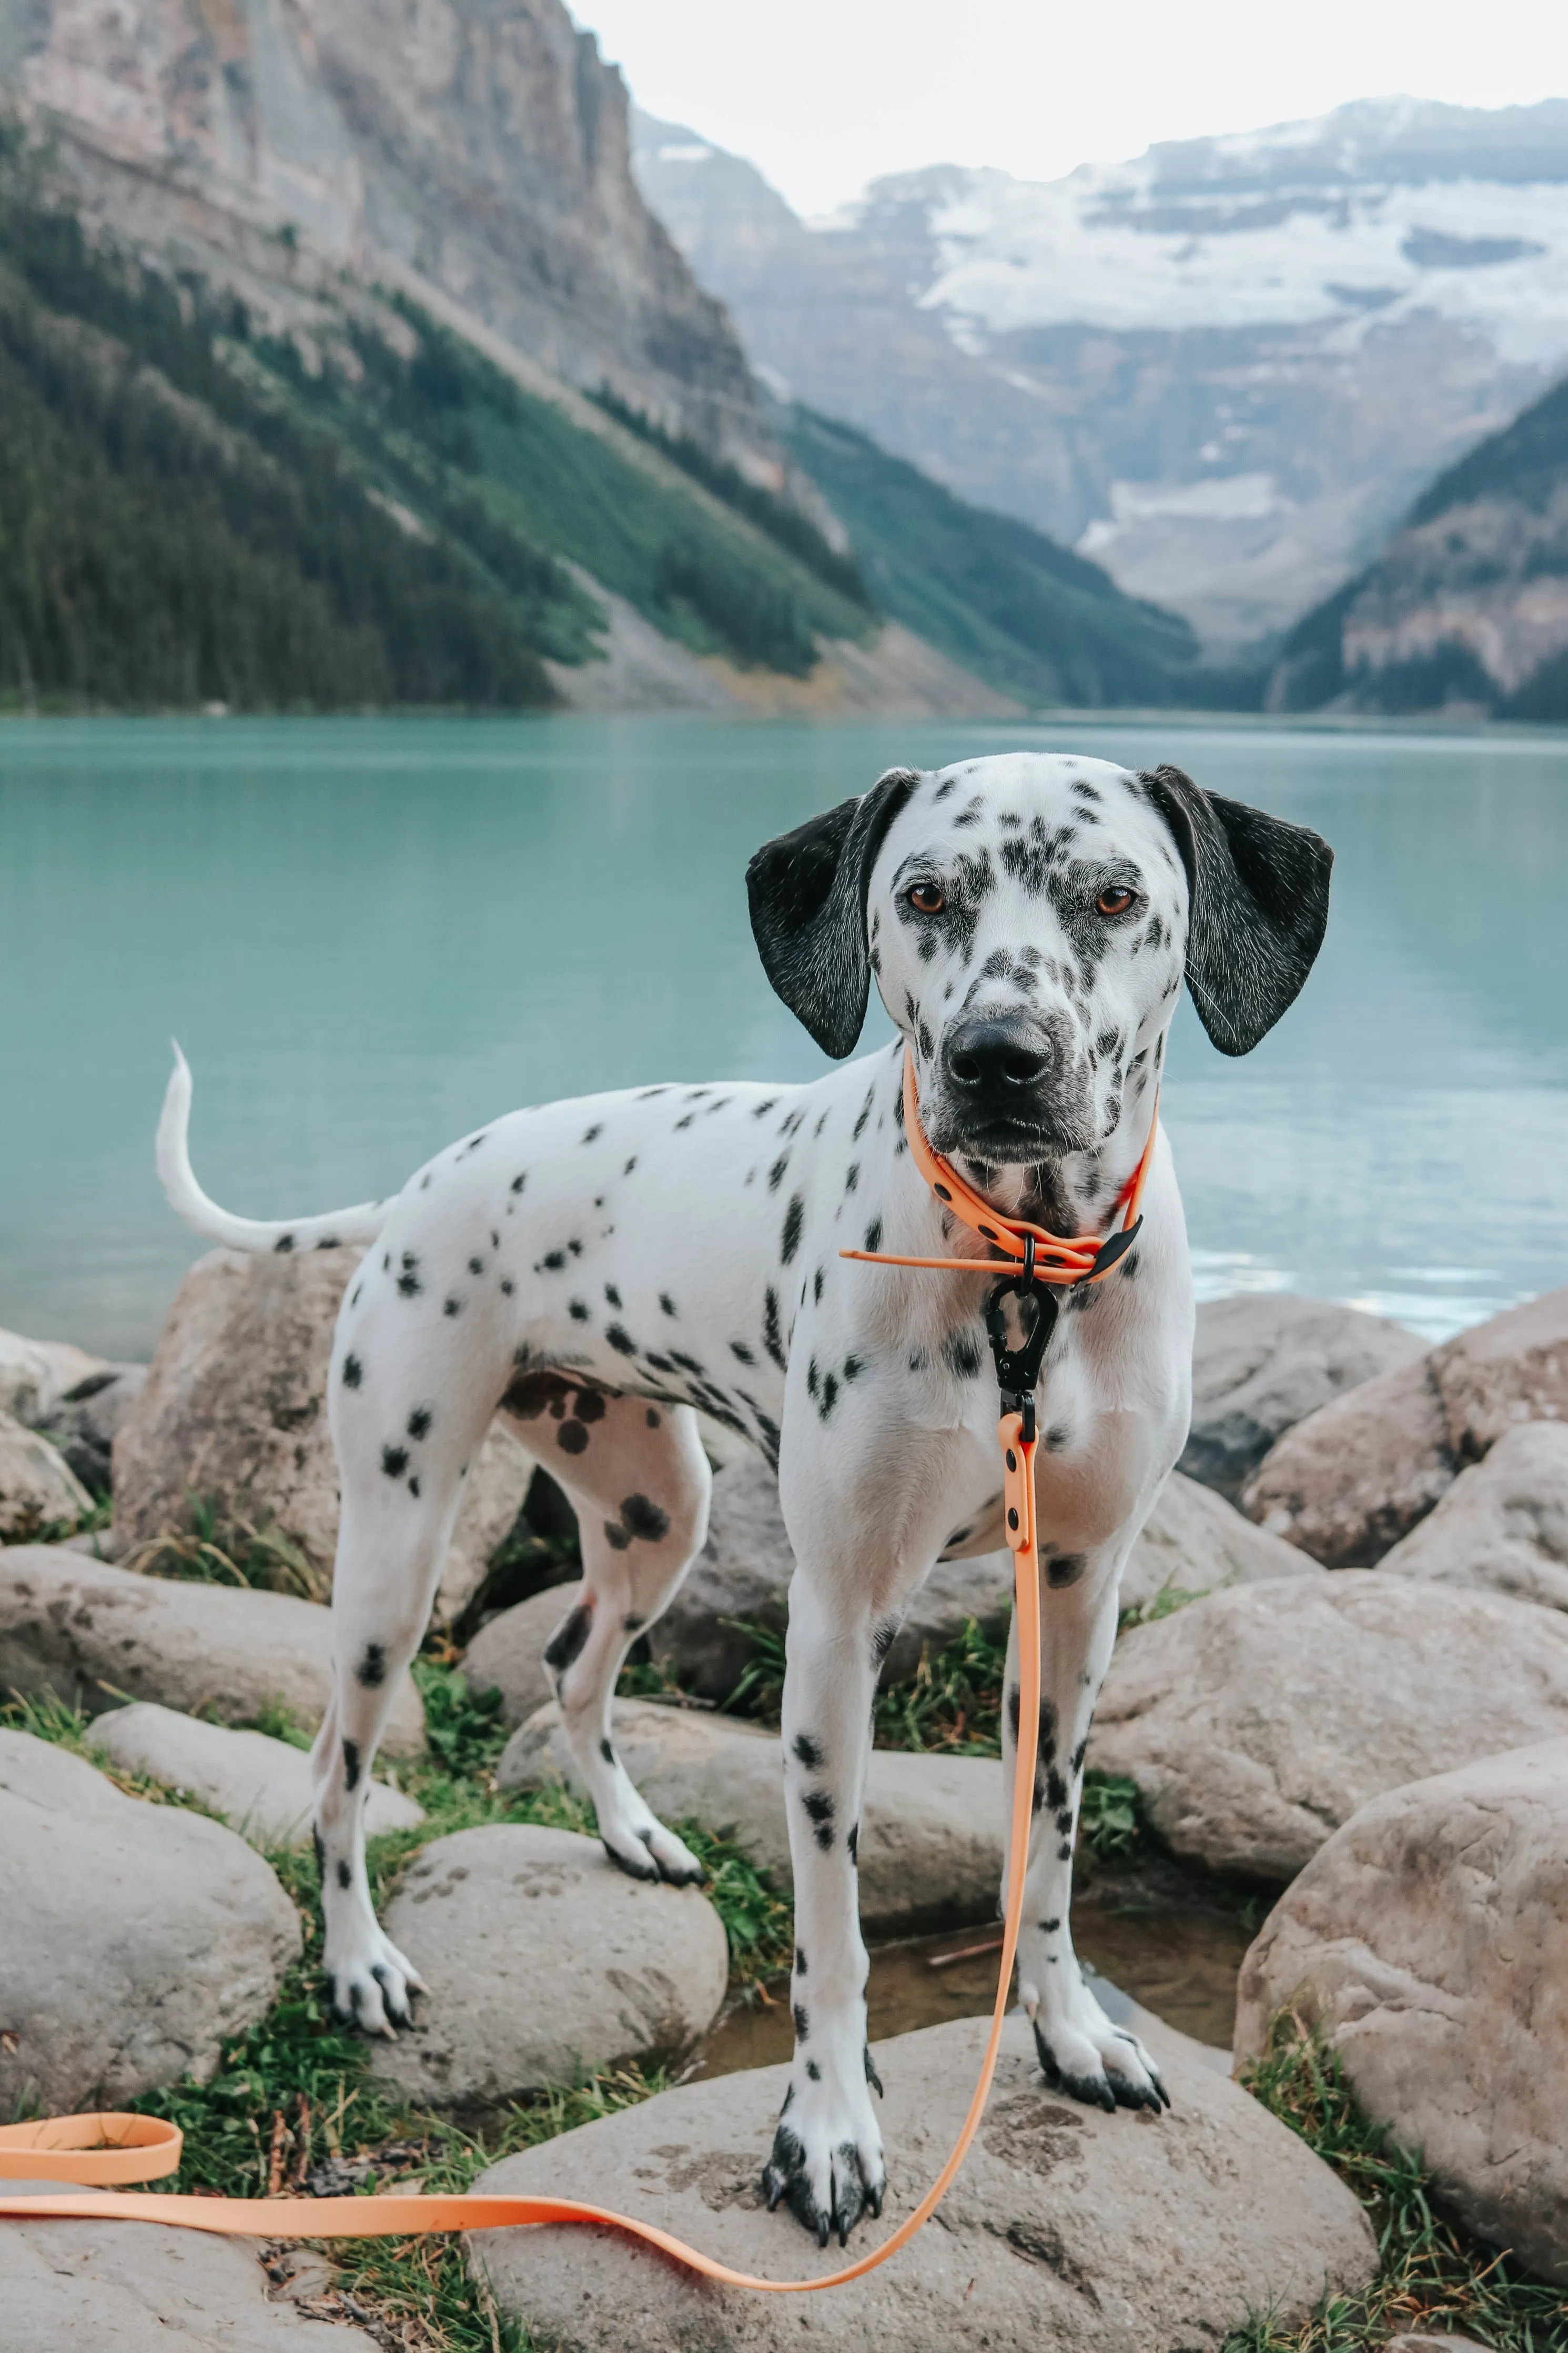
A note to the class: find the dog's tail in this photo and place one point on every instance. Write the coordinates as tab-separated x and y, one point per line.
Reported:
360	1224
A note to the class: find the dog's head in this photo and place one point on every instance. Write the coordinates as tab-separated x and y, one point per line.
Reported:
1029	920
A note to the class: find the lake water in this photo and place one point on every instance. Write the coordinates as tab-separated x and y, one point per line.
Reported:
371	935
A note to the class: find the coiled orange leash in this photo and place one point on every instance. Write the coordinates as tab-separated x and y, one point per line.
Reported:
108	2148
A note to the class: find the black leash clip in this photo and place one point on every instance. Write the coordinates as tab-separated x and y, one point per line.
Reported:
1018	1368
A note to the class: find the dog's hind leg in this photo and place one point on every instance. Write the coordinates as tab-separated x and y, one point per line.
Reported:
638	1481
1080	2050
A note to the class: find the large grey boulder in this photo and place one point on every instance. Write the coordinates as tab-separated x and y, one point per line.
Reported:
930	1835
133	1938
1193	1541
94	1634
1502	1524
1256	1721
261	1785
147	2287
544	1963
1429	1942
1263	1362
742	1572
234	1410
1353	1478
37	1487
1066	2228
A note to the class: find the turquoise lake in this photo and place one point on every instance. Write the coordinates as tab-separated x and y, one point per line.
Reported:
371	936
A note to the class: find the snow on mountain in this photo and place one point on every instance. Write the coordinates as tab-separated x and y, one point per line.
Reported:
1224	370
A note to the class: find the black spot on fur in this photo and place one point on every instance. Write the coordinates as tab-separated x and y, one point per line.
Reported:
345	1876
350	1764
744	1354
770	1339
799	1962
371	1668
571	1438
452	1307
653	1417
802	2023
612	1294
819	1810
354	1372
642	1518
668	1303
578	1310
566	1642
809	1751
419	1421
284	1244
607	1752
591	1134
621	1341
776	1173
394	1461
795	1217
874	1235
414	1487
853	1843
1066	1570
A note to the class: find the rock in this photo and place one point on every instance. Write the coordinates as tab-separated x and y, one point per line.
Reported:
94	1634
1435	2342
133	1938
1502	1524
742	1571
262	1785
37	1488
146	2287
1429	1942
508	1654
544	1964
234	1410
84	1423
1353	1478
930	1837
1066	2228
1193	1541
1256	1721
35	1375
1263	1362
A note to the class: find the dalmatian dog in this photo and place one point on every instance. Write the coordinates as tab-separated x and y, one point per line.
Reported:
605	1273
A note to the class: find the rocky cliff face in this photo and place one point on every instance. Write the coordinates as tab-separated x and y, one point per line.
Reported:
1467	604
1224	370
479	146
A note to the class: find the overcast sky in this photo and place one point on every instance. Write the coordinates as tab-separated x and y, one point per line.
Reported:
826	94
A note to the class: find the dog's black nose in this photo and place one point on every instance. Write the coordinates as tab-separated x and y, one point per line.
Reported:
994	1059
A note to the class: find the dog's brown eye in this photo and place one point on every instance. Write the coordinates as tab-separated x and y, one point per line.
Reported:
1114	901
927	897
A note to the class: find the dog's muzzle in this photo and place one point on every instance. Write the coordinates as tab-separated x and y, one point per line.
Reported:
1008	1089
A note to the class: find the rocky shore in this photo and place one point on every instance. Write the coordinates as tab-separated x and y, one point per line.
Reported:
1342	1683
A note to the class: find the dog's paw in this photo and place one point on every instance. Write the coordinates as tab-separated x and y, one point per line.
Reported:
827	2163
1100	2064
650	1852
370	1984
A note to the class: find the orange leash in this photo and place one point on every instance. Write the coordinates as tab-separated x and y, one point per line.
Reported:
109	2149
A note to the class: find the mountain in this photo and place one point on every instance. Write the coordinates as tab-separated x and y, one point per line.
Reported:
1467	604
193	509
472	150
1224	370
342	362
1040	623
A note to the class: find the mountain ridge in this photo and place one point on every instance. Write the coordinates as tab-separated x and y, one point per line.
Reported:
1224	370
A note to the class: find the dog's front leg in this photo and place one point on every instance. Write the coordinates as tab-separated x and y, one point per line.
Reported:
1079	2049
826	2159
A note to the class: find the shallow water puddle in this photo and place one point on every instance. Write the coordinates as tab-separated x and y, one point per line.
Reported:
1180	1963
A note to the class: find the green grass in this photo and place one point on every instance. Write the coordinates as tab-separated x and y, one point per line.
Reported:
1432	2276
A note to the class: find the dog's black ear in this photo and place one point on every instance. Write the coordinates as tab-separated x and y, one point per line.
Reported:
1259	906
808	894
